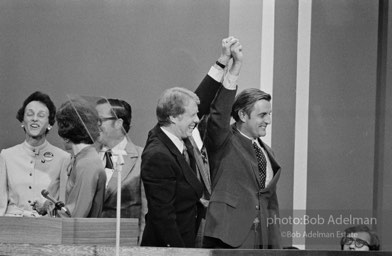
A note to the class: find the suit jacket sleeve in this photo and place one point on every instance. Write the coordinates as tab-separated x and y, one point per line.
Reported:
206	92
160	184
218	127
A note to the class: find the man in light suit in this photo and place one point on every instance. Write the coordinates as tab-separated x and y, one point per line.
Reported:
116	116
243	188
169	171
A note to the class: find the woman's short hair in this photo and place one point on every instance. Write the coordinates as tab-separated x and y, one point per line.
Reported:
78	121
44	99
374	244
246	100
172	103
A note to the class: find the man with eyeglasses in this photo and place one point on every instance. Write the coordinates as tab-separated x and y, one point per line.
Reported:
116	116
359	238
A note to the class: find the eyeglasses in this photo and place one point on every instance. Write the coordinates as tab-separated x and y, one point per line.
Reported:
359	243
103	119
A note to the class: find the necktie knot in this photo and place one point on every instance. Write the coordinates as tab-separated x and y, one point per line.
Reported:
261	163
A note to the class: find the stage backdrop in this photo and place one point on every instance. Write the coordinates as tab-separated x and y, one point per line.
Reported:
131	50
331	59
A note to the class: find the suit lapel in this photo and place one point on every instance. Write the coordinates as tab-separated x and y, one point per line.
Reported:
130	160
275	166
189	174
247	144
202	168
249	151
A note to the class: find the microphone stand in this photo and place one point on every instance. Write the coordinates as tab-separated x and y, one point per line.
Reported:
119	163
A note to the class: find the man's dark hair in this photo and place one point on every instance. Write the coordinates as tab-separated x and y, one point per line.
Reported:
246	100
374	244
120	109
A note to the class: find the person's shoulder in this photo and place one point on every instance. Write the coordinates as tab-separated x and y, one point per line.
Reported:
89	153
58	151
154	145
90	161
11	150
156	151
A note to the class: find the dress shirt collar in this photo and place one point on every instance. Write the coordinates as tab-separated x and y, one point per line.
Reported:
251	139
197	138
177	142
119	147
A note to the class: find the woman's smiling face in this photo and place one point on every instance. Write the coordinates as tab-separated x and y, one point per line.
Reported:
36	119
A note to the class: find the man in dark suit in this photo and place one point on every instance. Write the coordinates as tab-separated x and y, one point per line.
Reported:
116	117
169	171
243	181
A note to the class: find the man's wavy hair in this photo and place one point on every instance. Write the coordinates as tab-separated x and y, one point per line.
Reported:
172	103
246	100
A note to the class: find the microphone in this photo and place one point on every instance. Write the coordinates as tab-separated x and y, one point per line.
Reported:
59	205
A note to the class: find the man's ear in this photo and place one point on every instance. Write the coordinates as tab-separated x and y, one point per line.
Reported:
119	123
173	120
242	115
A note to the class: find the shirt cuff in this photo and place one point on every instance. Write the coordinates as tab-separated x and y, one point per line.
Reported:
216	74
230	81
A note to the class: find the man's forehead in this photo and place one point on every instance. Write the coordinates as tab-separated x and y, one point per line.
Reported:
104	107
263	106
190	103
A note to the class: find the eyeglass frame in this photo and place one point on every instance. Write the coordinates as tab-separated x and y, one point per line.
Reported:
103	119
359	243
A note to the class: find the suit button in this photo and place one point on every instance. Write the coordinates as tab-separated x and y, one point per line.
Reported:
29	187
168	245
257	207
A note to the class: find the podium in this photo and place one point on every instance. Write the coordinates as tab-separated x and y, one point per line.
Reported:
45	230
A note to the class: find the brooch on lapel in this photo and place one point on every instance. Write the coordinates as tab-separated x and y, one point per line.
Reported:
48	156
